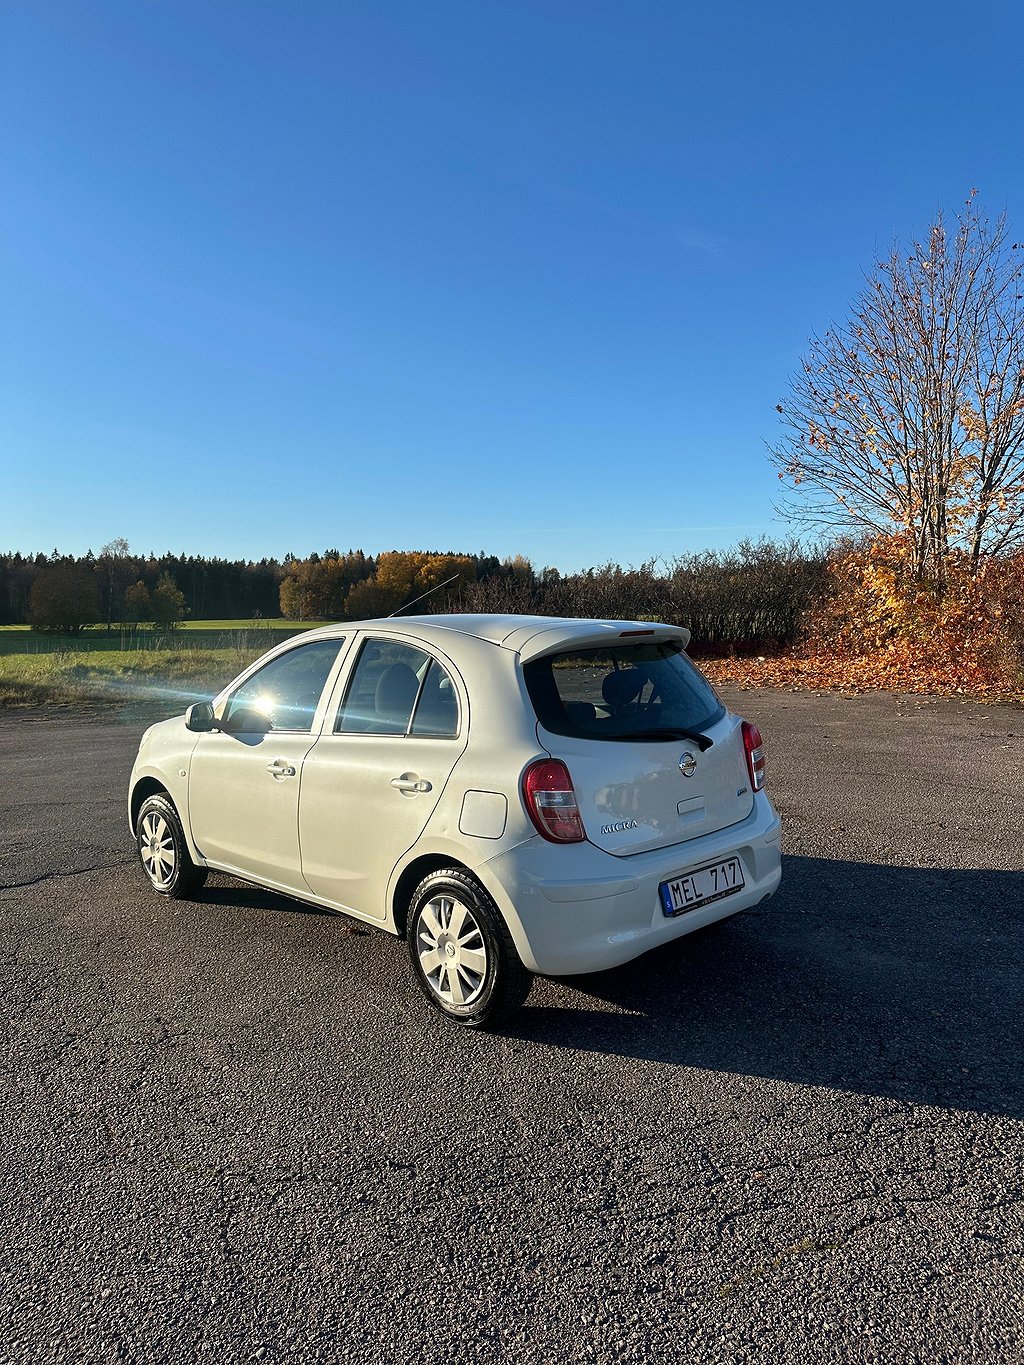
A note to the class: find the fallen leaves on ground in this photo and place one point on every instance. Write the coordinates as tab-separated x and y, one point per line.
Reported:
882	670
884	628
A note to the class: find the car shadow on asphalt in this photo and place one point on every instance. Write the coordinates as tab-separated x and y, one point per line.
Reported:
229	892
901	982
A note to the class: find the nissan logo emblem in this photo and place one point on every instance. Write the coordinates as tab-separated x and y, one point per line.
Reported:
688	764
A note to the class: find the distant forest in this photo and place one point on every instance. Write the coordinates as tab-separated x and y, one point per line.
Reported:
213	589
746	599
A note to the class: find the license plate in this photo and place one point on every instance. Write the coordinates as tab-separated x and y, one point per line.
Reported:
702	886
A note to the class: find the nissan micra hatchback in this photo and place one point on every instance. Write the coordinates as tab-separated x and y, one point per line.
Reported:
511	794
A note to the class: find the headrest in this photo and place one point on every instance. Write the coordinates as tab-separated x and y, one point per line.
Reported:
396	691
622	686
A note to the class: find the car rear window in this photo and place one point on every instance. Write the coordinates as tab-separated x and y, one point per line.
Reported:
621	692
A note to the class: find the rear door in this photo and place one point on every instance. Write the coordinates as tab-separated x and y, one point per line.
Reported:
378	770
617	716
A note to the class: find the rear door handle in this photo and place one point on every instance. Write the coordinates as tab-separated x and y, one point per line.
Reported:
405	783
279	768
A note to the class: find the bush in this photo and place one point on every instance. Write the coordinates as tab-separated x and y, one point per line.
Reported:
167	603
1003	597
967	632
63	599
751	599
747	600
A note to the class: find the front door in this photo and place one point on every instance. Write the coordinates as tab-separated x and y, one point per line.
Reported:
377	772
244	780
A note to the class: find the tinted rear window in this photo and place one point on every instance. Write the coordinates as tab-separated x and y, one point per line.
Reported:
621	693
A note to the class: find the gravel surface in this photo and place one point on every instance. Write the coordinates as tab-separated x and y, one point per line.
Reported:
232	1130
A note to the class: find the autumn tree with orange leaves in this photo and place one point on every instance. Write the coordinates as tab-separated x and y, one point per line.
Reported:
908	418
405	574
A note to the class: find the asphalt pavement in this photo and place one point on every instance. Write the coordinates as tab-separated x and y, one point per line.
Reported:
232	1129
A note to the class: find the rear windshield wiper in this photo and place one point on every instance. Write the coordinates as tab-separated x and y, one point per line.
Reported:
671	732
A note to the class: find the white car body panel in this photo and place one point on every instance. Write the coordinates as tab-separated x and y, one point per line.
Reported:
245	818
338	834
346	790
593	911
632	797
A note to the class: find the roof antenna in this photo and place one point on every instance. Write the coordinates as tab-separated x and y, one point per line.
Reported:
421	596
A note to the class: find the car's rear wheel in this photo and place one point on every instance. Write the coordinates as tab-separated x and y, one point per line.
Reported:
163	851
462	952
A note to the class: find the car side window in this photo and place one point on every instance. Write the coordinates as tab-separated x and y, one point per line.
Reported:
437	711
283	694
396	689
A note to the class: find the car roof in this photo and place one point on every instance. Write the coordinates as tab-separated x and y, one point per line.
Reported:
527	635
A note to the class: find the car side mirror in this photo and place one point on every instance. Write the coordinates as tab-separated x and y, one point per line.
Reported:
200	716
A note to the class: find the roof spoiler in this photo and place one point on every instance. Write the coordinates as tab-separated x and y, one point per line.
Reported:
532	643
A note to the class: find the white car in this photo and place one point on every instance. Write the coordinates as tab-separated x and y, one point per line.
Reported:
511	794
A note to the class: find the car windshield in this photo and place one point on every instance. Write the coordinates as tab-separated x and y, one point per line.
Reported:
631	691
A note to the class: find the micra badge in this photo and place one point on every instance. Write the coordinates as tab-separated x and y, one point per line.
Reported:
618	827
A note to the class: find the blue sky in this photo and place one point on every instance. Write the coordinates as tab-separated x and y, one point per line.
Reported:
518	277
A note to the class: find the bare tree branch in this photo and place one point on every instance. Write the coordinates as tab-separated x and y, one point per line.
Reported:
909	416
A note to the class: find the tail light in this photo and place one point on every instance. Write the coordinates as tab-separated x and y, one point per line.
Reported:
755	755
551	802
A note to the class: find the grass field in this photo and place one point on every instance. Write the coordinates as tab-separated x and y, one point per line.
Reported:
169	669
170	679
189	635
242	623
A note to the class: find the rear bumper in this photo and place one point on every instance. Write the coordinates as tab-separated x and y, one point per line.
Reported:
574	908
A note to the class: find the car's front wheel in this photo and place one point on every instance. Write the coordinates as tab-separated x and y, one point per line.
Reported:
462	952
163	851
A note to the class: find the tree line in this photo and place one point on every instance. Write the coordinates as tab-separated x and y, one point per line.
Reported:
116	587
746	599
105	586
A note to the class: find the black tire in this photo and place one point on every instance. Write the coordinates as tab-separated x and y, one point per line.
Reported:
159	839
481	964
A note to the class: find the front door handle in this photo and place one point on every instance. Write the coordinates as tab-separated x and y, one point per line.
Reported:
408	783
279	768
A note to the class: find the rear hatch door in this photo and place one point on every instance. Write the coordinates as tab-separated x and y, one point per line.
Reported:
655	757
644	794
